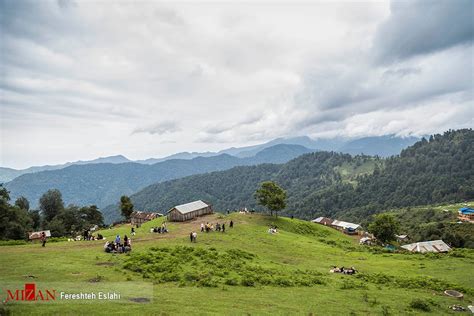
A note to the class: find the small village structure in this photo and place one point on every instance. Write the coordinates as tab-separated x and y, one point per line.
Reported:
402	238
138	217
466	214
346	227
37	235
188	211
428	246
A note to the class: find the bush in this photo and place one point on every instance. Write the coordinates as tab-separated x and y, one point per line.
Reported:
420	305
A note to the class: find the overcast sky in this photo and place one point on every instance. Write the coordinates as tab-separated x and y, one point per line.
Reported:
144	79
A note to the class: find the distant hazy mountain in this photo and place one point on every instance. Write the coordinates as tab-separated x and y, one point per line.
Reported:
103	183
181	155
8	174
383	146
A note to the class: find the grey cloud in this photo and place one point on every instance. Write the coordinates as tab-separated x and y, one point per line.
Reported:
222	128
367	89
402	72
169	16
420	27
165	127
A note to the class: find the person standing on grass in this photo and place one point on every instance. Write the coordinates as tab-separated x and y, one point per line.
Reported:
223	227
191	236
202	227
133	231
231	225
195	236
43	239
117	240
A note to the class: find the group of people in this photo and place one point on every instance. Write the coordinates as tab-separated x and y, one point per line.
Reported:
118	246
160	230
273	229
343	270
88	236
208	227
218	227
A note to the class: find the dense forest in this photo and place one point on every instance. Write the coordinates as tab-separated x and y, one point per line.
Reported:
17	219
434	170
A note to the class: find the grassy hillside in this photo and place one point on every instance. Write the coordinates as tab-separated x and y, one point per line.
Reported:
245	270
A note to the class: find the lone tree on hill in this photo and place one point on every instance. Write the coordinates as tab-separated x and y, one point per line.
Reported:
271	196
384	227
126	206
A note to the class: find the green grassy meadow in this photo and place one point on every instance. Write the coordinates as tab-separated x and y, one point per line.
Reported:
279	264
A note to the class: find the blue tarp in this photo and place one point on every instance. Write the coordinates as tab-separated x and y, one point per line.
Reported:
466	210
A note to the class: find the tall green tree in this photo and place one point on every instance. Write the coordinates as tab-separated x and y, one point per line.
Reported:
384	227
36	219
22	203
14	222
51	204
271	196
91	215
126	206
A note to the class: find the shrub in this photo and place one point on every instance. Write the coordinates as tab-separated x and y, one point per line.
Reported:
420	305
232	281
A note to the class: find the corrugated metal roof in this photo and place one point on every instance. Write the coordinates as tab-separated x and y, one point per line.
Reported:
323	220
428	246
345	224
190	207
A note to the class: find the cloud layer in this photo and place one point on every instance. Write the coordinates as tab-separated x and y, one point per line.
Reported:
87	79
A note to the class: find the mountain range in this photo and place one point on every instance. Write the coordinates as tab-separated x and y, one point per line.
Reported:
103	183
383	146
333	184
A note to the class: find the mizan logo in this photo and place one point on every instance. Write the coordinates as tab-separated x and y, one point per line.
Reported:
30	293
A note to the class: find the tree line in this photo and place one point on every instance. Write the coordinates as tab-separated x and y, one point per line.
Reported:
17	219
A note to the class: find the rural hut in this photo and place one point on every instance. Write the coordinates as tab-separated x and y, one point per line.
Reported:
323	221
185	212
428	246
346	227
138	217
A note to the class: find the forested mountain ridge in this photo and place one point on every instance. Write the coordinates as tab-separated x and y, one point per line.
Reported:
103	184
437	170
384	146
234	188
